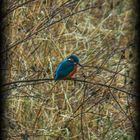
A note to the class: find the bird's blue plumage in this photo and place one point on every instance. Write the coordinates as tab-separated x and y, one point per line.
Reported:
74	57
63	69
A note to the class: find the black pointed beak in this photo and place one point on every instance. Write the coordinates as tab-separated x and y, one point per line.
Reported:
80	65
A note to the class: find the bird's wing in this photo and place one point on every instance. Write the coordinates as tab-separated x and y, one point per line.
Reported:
64	68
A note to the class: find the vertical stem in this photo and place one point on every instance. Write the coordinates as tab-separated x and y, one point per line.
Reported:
3	65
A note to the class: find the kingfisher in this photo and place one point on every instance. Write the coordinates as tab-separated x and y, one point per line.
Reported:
67	68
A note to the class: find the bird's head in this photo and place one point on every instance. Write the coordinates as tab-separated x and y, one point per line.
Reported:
74	58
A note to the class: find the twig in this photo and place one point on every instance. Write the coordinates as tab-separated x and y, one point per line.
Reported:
77	80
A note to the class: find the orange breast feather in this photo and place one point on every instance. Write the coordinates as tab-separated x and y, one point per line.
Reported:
71	73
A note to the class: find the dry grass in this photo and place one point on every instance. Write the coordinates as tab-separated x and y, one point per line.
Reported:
41	34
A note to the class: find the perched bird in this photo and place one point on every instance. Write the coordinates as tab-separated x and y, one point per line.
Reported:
67	68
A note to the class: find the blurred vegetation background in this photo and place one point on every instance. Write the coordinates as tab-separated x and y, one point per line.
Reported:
99	105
